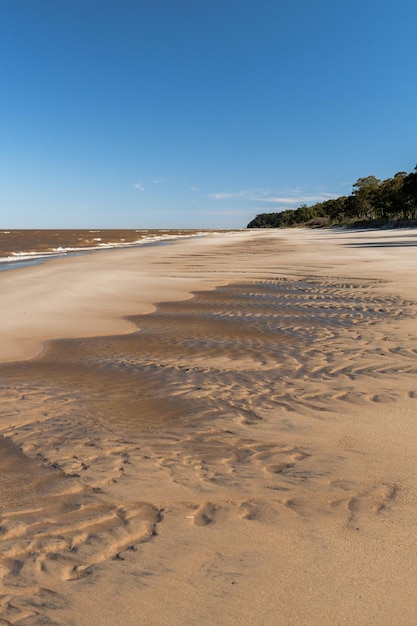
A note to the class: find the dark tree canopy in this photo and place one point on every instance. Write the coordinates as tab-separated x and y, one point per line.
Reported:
372	202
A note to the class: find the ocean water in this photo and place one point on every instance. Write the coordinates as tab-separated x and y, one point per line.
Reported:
20	248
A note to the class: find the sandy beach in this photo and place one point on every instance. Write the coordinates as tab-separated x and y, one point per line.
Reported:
219	431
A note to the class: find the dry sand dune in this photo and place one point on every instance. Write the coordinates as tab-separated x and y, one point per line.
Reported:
243	452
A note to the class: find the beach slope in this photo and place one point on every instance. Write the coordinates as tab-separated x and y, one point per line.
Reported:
216	431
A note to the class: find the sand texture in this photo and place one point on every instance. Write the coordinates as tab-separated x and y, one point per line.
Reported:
220	431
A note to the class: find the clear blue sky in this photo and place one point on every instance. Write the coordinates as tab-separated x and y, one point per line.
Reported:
198	113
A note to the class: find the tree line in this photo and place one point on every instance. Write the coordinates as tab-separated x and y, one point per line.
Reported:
372	202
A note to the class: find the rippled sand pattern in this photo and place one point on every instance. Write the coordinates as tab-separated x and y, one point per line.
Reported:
219	397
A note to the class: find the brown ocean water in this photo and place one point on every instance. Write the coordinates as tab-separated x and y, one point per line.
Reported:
18	243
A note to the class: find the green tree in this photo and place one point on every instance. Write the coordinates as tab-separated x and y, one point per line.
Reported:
365	191
392	199
409	196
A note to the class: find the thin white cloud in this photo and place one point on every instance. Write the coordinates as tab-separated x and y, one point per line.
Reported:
158	181
229	194
139	186
290	196
194	188
250	194
298	199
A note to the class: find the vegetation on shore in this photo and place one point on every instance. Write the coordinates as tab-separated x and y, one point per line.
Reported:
372	203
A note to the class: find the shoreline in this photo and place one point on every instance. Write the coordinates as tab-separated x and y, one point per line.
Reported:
36	298
20	259
244	438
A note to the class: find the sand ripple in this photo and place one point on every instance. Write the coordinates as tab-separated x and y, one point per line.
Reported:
215	410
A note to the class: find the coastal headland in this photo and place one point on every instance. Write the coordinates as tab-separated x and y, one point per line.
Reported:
216	431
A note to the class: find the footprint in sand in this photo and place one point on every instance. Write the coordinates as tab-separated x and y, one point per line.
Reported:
278	468
383	398
250	510
204	515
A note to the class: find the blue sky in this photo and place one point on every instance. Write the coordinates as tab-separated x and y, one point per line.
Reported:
198	113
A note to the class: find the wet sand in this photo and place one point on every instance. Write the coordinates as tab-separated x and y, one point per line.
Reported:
216	432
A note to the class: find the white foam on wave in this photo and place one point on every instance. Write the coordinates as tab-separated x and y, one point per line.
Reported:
63	251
